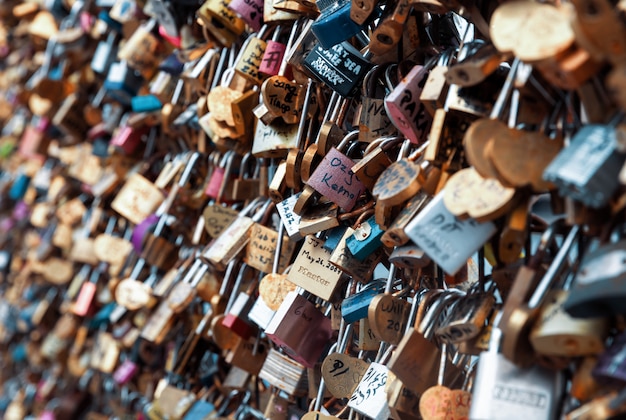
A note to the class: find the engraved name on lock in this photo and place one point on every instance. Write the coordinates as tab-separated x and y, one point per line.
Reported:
334	179
313	271
405	108
446	239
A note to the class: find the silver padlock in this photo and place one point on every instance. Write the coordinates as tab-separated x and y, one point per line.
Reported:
502	390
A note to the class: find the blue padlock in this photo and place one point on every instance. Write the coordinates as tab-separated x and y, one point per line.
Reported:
19	187
365	239
334	25
355	307
145	103
171	65
199	410
122	82
113	24
334	237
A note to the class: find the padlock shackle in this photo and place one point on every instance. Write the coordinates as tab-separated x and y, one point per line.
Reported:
556	266
503	96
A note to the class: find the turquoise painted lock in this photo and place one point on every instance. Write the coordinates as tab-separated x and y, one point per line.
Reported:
19	187
145	103
334	25
365	239
199	410
334	237
355	307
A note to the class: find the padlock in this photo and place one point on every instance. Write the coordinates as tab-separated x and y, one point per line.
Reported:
304	345
437	231
436	401
184	292
283	98
373	120
246	186
221	177
374	162
274	54
387	313
343	259
355	307
475	67
468	318
122	82
128	368
334	25
390	28
250	57
334	177
200	408
85	299
365	240
236	314
587	170
593	293
395	234
369	398
273	289
321	281
248	355
137	199
141	50
418	375
284	373
67	118
341	67
435	89
223	23
516	392
235	237
396	185
610	364
105	53
251	12
404	106
557	334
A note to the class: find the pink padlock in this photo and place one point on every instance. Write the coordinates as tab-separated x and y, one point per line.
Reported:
220	176
47	415
88	291
273	55
128	139
251	11
174	40
334	178
405	109
33	143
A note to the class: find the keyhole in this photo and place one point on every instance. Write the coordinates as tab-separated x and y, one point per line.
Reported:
591	9
384	39
462	74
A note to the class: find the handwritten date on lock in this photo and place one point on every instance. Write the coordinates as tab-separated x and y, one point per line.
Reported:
372	384
334	179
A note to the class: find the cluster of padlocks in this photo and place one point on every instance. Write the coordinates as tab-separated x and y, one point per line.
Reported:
290	209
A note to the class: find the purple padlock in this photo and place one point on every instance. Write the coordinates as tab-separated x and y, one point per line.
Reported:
140	231
611	366
125	372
